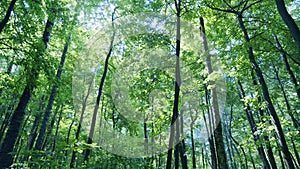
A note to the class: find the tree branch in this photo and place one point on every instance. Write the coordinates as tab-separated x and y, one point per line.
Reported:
247	7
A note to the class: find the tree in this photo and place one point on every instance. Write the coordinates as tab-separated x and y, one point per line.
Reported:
7	15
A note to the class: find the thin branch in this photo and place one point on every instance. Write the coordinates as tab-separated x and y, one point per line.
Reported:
219	9
257	35
247	7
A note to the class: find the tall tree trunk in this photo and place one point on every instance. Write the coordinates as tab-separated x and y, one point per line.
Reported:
235	141
269	151
288	106
289	21
34	128
7	15
92	129
210	130
146	141
57	127
5	121
12	133
84	104
218	133
192	139
177	91
42	131
253	127
265	91
287	66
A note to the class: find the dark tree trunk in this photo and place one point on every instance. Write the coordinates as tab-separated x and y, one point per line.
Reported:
5	121
19	113
84	103
289	21
269	151
34	128
288	106
7	15
193	145
287	66
92	129
265	91
146	141
235	141
209	131
218	133
42	131
57	127
177	91
252	124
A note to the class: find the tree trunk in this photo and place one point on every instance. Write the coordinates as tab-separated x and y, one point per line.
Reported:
288	106
34	128
177	91
209	131
253	127
7	15
274	116
193	141
218	133
287	66
84	103
57	127
19	113
92	129
289	21
42	131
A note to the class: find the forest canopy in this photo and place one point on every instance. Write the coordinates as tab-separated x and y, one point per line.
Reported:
150	84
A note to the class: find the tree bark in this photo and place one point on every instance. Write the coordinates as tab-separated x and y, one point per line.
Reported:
42	131
84	103
210	130
92	129
287	66
12	133
218	133
34	128
288	106
265	91
177	91
7	15
253	127
289	21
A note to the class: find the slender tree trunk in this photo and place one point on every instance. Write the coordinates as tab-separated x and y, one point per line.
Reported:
92	129
57	127
269	151
42	131
5	121
84	103
7	15
193	141
289	21
34	128
210	131
146	142
12	133
287	66
69	133
265	91
252	124
218	133
288	106
235	141
230	153
177	91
